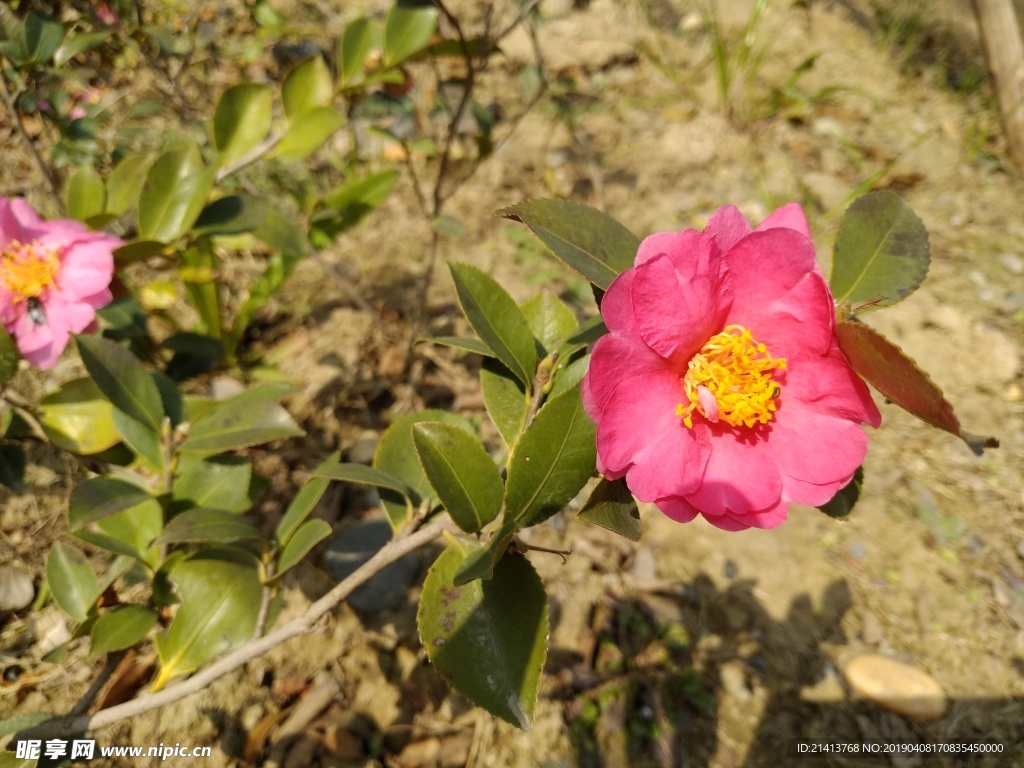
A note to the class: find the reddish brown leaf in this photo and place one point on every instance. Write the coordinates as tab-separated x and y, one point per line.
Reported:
128	678
885	367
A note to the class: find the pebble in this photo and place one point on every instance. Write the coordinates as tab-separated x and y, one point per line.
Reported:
354	546
871	629
1013	263
16	588
896	686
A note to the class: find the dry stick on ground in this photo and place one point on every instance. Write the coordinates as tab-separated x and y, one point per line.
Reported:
70	725
1000	37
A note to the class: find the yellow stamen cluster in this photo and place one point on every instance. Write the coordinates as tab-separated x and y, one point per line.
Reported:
28	270
737	371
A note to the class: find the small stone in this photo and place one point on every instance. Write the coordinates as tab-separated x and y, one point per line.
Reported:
354	546
827	690
16	588
420	753
871	629
644	568
363	449
896	686
858	551
731	570
734	680
223	387
1013	263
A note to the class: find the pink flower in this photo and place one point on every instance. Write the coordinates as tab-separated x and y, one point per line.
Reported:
54	275
720	388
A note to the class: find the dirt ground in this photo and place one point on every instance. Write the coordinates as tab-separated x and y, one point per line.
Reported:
696	647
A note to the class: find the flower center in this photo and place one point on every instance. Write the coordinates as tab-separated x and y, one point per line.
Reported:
28	270
730	379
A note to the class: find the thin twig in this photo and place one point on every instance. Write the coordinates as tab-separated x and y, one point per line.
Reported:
44	168
69	725
113	659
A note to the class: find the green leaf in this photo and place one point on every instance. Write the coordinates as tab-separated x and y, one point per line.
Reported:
613	507
301	506
219	482
140	439
241	120
464	343
407	31
362	474
170	397
240	422
80	42
130	533
78	418
280	231
567	376
307	536
480	562
100	497
43	36
220	600
199	273
396	455
140	250
232	215
588	333
308	85
71	580
348	204
590	242
208	525
505	399
308	133
552	460
121	628
487	638
360	39
122	380
842	503
550	321
20	722
85	196
461	472
881	252
885	367
125	183
497	320
12	466
174	193
9	356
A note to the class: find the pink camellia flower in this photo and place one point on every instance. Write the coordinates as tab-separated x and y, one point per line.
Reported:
720	388
54	275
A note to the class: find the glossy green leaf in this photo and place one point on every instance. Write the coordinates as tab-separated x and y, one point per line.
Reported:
86	195
840	505
220	601
238	423
100	497
467	344
199	272
505	399
480	562
71	580
79	42
613	507
122	380
232	215
588	333
308	85
301	506
140	438
306	536
121	628
43	36
219	482
170	397
208	525
487	638
308	133
461	472
280	232
552	460
396	455
241	120
125	183
881	252
78	418
569	375
885	367
497	320
590	242
174	193
407	31
12	466
140	250
550	320
360	39
9	356
346	206
130	532
362	474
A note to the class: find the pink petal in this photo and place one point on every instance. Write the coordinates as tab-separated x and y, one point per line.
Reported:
765	518
677	508
617	304
680	304
741	475
779	293
639	433
790	216
87	269
828	385
617	357
41	344
728	226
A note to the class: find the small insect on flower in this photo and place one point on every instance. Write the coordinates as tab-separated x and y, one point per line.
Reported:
36	313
